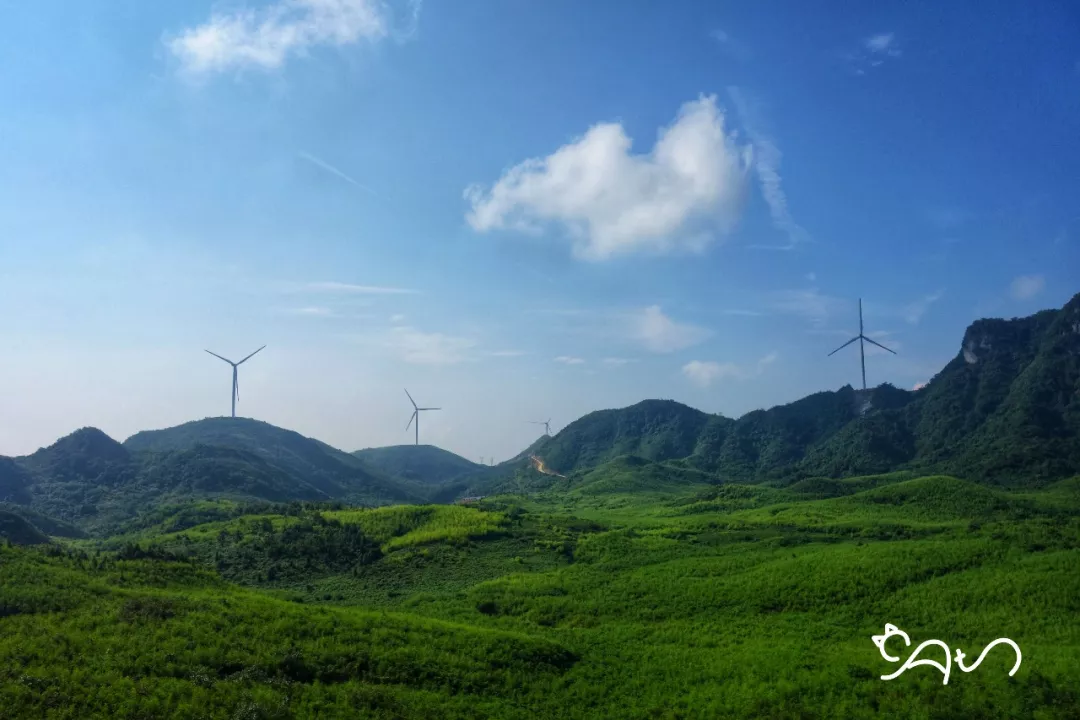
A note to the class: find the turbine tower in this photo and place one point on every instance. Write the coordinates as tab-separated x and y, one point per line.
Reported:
235	383
416	416
862	352
545	423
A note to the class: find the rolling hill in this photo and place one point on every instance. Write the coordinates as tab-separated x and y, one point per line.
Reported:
89	480
1005	410
425	465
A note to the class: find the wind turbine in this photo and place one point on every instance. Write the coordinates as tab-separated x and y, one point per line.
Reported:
416	416
235	383
545	423
862	353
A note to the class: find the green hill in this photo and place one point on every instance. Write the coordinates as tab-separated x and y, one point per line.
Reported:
1005	410
18	531
89	480
424	465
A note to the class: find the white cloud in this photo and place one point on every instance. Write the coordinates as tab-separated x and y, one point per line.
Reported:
919	386
267	37
730	45
508	353
742	313
568	360
617	361
1025	287
422	348
661	334
809	304
612	202
913	312
311	311
350	289
704	373
767	159
873	51
397	318
882	44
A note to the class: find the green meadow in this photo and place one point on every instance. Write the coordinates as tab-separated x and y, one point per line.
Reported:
628	595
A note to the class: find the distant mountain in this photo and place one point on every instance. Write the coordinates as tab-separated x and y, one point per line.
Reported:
89	480
1006	409
424	465
332	472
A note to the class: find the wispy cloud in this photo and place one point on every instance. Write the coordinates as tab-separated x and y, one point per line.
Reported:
1026	287
508	353
913	312
612	202
660	334
397	318
617	361
424	348
350	289
704	373
334	171
743	313
569	360
873	51
733	47
766	162
882	44
311	311
266	38
809	304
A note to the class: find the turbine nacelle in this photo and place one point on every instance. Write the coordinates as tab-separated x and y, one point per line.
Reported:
416	416
235	375
861	338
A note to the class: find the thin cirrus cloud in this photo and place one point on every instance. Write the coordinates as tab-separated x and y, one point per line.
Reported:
873	51
810	304
267	37
660	334
569	360
423	348
766	162
327	167
704	373
341	288
613	202
1026	287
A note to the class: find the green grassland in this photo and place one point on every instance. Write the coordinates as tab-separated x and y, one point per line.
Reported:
634	590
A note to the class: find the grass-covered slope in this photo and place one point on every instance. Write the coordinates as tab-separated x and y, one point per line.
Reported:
686	601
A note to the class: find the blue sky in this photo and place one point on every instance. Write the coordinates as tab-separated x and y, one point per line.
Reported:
518	210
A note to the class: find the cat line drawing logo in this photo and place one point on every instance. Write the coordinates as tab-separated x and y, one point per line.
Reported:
946	669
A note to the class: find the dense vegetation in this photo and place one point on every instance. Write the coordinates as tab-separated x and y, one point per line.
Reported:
620	597
682	566
1005	410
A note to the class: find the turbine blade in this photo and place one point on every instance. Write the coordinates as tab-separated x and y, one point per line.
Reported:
429	408
251	355
843	346
410	398
872	342
411	418
221	358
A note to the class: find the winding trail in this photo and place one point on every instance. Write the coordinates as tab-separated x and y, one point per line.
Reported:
541	467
